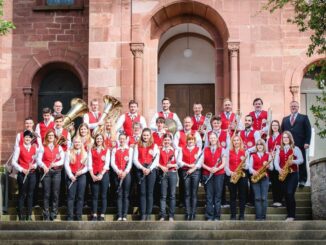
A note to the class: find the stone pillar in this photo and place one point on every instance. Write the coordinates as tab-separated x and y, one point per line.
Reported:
137	50
234	51
28	92
295	92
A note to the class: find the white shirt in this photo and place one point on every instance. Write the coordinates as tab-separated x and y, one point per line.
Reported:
129	164
199	161
153	126
176	139
38	131
296	152
67	165
86	119
40	154
106	163
218	135
156	152
58	132
14	161
122	118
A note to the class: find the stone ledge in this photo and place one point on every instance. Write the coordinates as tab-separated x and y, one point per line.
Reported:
317	161
58	8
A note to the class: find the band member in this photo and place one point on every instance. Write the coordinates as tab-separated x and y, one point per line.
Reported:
98	166
76	168
146	156
181	136
158	135
57	109
121	163
165	113
134	139
300	128
198	119
259	117
50	159
249	136
110	139
168	176
85	134
289	185
126	121
274	142
91	119
62	135
213	177
230	122
223	136
258	160
190	162
237	156
44	126
24	161
29	124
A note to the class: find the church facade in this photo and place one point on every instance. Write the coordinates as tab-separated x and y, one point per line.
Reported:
137	49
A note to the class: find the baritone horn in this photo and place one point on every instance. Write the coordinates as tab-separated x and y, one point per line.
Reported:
112	109
171	125
78	109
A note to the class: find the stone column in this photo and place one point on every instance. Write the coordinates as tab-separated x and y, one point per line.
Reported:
295	93
28	92
137	50
234	50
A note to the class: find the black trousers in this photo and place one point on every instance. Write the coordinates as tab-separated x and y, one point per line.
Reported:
51	190
277	191
303	167
191	190
239	189
146	188
76	193
123	195
289	187
100	187
26	192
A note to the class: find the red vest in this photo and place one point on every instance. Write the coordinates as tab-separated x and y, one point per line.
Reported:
225	121
284	157
76	165
161	114
164	158
44	129
122	158
260	122
248	141
235	159
198	124
25	159
189	156
98	160
145	154
50	156
210	160
183	138
133	141
272	143
92	118
258	162
127	125
64	134
157	139
222	138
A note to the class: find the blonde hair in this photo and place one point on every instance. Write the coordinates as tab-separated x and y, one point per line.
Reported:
262	142
88	138
72	152
241	142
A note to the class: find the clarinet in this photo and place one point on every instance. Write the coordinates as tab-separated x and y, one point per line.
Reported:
187	175
148	167
121	180
211	174
163	176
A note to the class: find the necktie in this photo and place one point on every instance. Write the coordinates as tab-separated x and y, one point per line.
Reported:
292	119
197	118
213	150
228	115
247	132
165	114
257	114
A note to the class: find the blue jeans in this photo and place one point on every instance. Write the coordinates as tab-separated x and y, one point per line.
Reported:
213	189
102	185
191	189
146	188
26	191
76	191
123	195
261	191
289	187
168	186
51	191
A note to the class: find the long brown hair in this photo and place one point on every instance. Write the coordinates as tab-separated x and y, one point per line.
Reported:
46	140
270	131
150	141
291	143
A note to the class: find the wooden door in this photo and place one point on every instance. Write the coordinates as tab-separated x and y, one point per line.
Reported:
183	96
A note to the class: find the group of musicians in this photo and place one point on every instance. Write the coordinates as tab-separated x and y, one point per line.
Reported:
215	151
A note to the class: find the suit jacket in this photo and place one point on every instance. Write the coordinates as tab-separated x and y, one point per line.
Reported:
301	129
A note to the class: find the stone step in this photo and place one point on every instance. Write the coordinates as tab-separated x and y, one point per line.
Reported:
165	235
200	210
178	217
171	226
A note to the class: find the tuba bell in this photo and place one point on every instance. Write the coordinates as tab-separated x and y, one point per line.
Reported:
78	109
112	109
171	125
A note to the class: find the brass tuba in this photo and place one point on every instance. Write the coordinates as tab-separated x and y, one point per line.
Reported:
78	109
171	125
112	109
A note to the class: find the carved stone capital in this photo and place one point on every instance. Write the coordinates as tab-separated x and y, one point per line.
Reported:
137	49
294	90
233	46
27	91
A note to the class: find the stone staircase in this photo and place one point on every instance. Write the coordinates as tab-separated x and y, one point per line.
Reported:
272	231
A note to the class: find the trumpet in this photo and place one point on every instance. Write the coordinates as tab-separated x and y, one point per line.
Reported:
286	169
261	172
239	173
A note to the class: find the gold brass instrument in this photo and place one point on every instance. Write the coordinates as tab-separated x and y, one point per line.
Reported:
61	140
171	125
236	120
239	173
112	109
78	109
261	173
286	169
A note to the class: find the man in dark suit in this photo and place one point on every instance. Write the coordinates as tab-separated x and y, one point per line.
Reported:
299	125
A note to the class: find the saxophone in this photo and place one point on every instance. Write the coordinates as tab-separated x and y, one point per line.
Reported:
238	172
286	169
261	172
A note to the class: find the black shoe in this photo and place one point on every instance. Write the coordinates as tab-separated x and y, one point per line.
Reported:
79	218
46	218
143	217
188	217
94	218
302	184
21	217
241	218
101	218
193	217
70	219
233	218
148	217
29	218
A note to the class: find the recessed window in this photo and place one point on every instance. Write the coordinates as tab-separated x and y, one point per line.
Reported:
59	2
